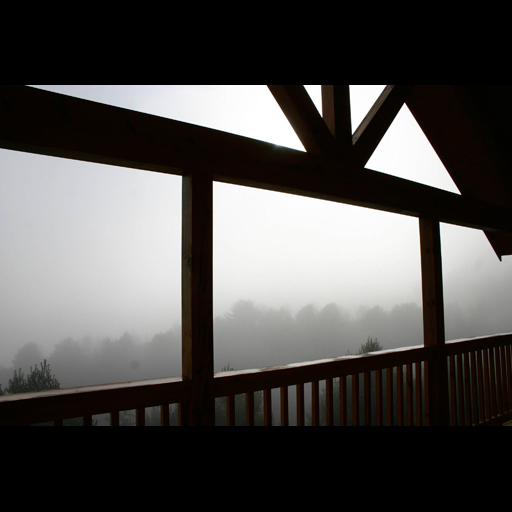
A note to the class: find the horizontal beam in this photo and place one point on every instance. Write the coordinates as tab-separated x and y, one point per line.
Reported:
52	124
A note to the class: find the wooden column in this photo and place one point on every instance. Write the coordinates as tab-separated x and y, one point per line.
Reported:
197	302
336	114
433	321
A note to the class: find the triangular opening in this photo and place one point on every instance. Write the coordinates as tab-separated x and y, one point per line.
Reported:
362	98
405	152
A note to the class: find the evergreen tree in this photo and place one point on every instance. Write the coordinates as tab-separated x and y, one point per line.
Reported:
371	345
38	380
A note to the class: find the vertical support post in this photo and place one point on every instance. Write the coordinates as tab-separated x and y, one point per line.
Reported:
197	297
433	321
336	114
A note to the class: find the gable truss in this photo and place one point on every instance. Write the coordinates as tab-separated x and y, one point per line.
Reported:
53	124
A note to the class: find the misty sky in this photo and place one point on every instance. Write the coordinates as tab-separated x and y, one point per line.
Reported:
95	250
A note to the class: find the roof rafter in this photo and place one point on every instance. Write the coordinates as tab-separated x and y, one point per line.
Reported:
53	124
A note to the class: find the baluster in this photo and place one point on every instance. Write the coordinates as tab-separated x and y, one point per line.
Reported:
343	400
300	405
367	399
509	375
504	376
389	396
400	395
329	404
419	408
284	406
378	397
114	419
460	389
315	406
467	389
140	419
481	395
487	386
355	400
249	409
230	410
492	376
165	417
408	376
267	407
453	392
474	391
499	388
425	387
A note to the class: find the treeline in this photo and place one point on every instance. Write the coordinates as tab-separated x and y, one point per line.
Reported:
249	336
84	362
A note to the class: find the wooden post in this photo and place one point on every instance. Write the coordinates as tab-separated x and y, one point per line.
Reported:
433	321
197	302
336	114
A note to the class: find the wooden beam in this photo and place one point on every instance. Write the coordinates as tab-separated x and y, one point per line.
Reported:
433	321
349	184
197	301
336	114
374	126
57	125
305	119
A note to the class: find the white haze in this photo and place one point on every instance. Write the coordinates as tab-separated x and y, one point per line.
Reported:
94	251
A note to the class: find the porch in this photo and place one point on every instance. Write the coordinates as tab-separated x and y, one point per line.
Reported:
464	382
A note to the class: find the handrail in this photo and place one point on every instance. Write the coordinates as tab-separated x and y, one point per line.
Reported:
462	345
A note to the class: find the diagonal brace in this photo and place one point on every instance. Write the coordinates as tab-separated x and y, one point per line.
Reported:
376	123
305	119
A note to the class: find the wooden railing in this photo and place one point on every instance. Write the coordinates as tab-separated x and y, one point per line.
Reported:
480	380
382	388
357	390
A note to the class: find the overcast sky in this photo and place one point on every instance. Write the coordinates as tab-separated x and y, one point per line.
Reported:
94	250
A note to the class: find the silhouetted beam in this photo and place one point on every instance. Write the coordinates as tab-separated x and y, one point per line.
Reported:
52	124
336	114
305	119
347	183
379	118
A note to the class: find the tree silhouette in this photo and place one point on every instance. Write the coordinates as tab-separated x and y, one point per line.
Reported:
37	380
371	345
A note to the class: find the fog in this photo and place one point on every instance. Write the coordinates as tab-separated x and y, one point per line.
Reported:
90	254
